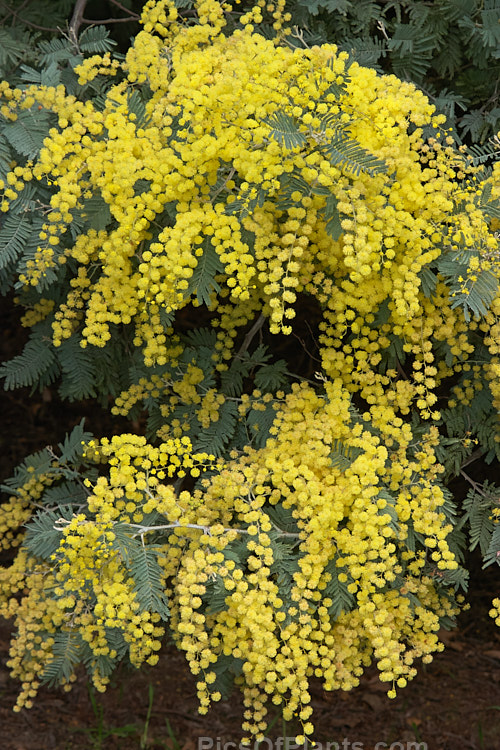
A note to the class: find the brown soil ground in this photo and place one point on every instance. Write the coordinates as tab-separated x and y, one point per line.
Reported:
453	704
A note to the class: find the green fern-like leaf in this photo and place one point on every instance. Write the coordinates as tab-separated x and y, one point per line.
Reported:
215	596
365	50
343	455
124	542
232	379
95	40
70	492
284	552
27	133
55	51
78	370
448	61
226	668
116	642
13	45
200	338
344	152
259	424
271	377
428	281
202	282
336	88
331	6
148	577
290	184
282	518
137	106
110	380
72	447
475	124
405	38
486	431
214	439
285	582
492	554
411	51
490	29
27	369
43	537
27	201
201	354
94	213
458	578
48	76
5	157
14	234
489	206
389	509
66	655
332	218
447	102
342	600
476	296
155	420
478	518
33	466
285	130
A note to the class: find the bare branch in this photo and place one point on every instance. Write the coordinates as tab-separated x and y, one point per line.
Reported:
127	10
251	333
100	22
76	20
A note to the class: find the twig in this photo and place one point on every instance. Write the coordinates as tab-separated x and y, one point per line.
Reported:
251	333
127	10
302	342
221	188
381	27
24	21
100	22
473	457
141	530
476	486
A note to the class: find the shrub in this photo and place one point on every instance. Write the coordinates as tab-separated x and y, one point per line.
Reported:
161	212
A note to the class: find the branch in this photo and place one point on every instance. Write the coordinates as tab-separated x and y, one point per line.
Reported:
477	487
473	457
219	190
127	10
76	20
140	529
100	22
251	333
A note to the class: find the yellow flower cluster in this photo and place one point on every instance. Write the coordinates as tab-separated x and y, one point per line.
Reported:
495	611
204	143
86	590
357	518
19	508
359	590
